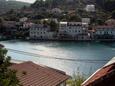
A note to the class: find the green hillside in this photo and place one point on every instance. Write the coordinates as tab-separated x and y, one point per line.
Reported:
8	5
108	5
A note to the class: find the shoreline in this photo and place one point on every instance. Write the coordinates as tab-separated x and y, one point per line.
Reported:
56	40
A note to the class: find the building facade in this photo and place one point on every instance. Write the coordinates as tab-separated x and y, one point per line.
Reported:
24	19
39	31
104	32
73	31
90	8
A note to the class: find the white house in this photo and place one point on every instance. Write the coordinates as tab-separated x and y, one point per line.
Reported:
73	30
86	20
39	31
105	30
27	24
90	8
24	19
101	30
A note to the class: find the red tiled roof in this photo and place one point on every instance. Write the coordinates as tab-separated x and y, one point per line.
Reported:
100	74
110	22
104	27
31	74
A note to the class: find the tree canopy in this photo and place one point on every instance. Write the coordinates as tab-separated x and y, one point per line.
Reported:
7	76
53	26
113	14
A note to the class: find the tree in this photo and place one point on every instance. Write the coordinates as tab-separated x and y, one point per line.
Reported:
113	14
76	80
99	21
75	18
53	26
1	24
38	3
7	76
45	23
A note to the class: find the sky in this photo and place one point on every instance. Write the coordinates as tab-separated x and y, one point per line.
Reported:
30	1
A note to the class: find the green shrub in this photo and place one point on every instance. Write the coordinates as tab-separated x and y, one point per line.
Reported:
76	80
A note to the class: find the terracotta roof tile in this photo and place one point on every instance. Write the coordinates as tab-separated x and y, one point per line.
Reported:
99	74
104	27
31	74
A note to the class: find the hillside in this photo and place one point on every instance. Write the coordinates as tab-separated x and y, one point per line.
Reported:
108	5
63	4
8	5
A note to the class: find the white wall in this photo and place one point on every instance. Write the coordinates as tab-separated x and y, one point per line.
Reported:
72	28
100	31
41	33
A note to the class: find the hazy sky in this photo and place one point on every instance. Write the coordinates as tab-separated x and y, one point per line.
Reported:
30	1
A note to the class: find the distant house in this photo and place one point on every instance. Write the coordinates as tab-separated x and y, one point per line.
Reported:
110	22
27	24
24	19
50	19
104	32
9	24
73	31
39	31
56	11
104	76
90	8
86	20
31	74
10	28
23	29
26	10
71	12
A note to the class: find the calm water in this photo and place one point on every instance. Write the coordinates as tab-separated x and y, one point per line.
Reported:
70	50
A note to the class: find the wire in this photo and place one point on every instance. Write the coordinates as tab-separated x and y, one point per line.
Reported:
49	57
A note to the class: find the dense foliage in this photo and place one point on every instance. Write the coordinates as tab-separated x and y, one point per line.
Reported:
76	80
7	76
62	3
53	26
108	5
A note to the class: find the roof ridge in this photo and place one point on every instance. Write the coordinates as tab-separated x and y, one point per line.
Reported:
40	65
